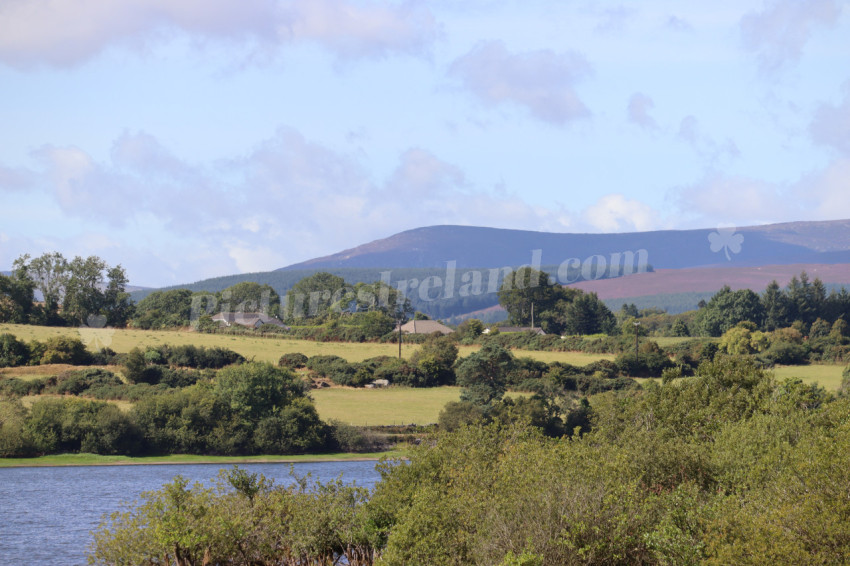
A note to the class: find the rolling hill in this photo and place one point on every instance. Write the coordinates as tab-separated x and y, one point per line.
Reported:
469	246
686	265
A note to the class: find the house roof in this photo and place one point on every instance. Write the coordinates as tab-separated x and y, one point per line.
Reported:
247	319
424	327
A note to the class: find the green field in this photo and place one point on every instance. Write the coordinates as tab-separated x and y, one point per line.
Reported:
259	349
827	376
377	407
98	460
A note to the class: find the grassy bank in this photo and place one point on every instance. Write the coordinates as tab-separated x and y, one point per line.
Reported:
98	460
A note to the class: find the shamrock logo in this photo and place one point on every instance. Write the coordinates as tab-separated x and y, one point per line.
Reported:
726	239
95	334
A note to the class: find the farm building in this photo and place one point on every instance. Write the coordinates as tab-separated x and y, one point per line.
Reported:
424	327
248	319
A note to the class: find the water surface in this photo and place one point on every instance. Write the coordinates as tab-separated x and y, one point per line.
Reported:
47	514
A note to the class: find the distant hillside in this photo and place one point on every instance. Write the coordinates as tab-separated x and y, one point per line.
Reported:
790	243
445	296
710	280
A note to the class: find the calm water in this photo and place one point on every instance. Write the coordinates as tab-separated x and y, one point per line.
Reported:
47	514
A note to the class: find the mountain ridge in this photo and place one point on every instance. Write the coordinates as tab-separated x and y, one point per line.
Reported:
821	242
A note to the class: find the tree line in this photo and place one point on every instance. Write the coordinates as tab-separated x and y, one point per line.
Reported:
81	291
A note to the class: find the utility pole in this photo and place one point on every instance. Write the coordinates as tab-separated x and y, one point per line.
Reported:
532	316
399	338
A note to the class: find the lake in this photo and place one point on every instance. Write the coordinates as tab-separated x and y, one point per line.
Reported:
47	514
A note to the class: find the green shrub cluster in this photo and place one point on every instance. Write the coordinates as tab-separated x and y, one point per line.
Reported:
728	467
242	409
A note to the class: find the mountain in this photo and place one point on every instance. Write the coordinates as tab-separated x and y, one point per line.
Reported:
825	242
686	265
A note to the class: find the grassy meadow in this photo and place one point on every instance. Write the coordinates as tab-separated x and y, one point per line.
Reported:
393	406
827	376
379	407
259	349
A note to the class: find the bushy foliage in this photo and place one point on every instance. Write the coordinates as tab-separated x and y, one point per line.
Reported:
13	352
293	360
64	350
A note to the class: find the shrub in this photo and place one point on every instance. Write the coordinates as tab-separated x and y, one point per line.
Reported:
787	353
13	352
65	350
77	382
293	360
334	368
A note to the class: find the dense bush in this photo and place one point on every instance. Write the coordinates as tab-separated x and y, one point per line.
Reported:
79	382
13	352
65	350
293	360
68	424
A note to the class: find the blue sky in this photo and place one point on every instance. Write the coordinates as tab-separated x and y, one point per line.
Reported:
196	138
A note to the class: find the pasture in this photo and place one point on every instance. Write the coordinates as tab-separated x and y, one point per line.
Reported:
268	349
827	376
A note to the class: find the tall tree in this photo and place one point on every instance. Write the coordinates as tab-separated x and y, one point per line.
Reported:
16	297
313	296
727	308
249	296
484	374
524	289
84	289
777	307
49	272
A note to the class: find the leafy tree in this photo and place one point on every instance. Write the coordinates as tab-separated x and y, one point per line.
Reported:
16	297
743	339
255	390
470	328
164	309
436	357
13	352
584	314
727	308
375	323
379	296
49	273
778	308
13	441
523	288
483	375
248	296
65	350
79	287
680	328
313	296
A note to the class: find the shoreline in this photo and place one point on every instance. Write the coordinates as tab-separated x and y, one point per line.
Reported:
80	460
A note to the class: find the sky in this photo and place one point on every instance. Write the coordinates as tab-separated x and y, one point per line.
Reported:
197	138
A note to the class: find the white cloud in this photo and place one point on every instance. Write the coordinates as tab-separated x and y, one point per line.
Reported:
640	106
831	125
541	81
736	200
733	200
826	193
616	213
779	33
68	32
13	179
290	199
